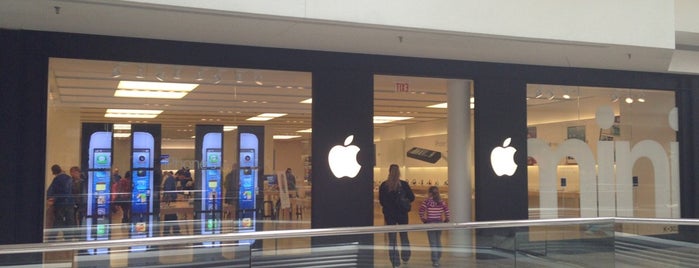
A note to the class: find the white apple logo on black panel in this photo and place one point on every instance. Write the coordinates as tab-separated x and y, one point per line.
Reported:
343	159
502	159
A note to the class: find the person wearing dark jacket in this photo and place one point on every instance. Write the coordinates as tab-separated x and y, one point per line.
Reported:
79	194
60	195
389	192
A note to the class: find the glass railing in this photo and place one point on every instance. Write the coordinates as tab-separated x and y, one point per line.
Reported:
589	242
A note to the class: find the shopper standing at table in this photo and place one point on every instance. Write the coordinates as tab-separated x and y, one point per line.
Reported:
390	193
434	210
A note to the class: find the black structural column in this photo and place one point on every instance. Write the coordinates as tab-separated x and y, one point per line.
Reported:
687	101
343	105
500	113
23	79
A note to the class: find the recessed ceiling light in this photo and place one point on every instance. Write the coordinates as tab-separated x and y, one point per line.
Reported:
144	89
122	126
438	105
308	130
285	137
130	113
387	119
257	118
265	117
121	134
307	101
273	115
116	72
229	128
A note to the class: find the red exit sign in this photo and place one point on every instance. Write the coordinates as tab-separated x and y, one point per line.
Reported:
402	87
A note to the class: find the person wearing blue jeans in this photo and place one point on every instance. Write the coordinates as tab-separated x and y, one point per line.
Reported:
434	210
393	213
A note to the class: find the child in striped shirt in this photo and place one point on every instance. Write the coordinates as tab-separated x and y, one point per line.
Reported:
434	210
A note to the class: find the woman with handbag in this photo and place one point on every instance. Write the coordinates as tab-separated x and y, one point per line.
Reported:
395	197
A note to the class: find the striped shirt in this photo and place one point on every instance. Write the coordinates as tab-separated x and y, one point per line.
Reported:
431	211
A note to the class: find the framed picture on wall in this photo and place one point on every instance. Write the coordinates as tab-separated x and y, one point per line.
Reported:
531	134
577	132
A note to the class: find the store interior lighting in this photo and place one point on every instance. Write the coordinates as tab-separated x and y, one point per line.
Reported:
238	77
378	119
217	79
131	113
258	80
122	127
116	72
265	117
200	76
121	134
139	73
285	137
566	94
160	76
160	90
614	97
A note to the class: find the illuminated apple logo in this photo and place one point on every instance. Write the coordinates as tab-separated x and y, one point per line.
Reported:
502	159
343	159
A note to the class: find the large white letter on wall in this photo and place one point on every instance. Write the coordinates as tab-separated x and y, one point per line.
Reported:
547	159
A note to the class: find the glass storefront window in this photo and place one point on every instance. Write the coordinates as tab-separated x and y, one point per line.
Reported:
596	152
82	91
420	105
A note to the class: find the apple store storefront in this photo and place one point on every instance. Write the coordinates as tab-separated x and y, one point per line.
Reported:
501	141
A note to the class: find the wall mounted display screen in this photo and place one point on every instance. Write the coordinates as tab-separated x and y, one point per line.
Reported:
248	158
98	215
210	183
142	182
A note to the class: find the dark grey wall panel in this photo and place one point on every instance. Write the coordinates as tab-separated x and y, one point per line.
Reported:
500	113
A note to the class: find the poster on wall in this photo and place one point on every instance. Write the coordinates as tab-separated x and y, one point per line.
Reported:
531	134
577	132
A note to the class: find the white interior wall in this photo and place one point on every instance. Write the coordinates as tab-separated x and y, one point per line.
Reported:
62	140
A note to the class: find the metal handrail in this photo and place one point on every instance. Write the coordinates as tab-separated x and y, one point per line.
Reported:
281	234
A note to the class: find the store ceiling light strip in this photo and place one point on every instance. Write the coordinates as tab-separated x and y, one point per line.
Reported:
265	117
285	137
129	113
160	90
387	119
122	126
